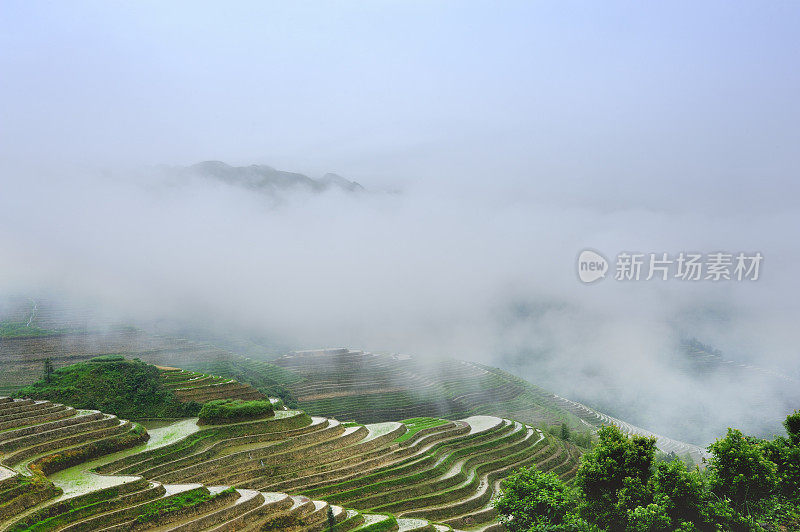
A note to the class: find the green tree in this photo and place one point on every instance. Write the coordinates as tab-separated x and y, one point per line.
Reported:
650	518
678	492
740	471
792	424
331	519
532	500
785	453
48	370
564	431
614	477
127	388
750	485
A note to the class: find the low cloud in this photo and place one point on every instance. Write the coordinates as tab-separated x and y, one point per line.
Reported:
483	273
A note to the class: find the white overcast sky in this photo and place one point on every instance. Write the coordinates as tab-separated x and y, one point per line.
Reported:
615	97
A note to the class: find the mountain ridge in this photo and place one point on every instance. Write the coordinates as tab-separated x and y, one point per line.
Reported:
266	179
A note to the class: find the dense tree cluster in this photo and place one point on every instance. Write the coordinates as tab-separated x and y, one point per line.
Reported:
230	410
130	389
749	484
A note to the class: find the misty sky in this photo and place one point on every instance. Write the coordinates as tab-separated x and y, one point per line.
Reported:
517	134
696	95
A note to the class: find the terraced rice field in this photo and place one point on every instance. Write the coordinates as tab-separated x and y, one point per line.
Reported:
199	387
289	472
81	479
665	444
22	359
341	383
364	386
370	387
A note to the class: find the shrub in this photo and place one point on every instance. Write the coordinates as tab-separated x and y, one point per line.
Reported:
678	491
532	501
229	410
581	439
614	477
739	470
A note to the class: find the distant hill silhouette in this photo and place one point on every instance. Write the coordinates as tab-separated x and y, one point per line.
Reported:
262	178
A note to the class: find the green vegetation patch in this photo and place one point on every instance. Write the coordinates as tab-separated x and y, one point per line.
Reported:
10	329
128	388
750	485
230	410
417	424
180	501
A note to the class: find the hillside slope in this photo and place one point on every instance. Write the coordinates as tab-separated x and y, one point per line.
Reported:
283	472
374	387
365	387
134	389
